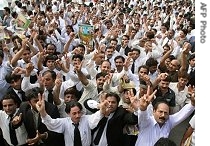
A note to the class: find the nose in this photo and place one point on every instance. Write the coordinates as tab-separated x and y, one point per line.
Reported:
77	115
15	83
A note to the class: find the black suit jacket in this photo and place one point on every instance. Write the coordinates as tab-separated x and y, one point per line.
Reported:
192	78
17	98
127	49
54	138
114	131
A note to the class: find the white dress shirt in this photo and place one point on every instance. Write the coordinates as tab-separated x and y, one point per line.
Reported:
20	131
65	126
181	96
21	63
150	131
4	70
90	91
26	85
103	140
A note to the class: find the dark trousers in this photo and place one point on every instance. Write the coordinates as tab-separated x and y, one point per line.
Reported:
129	140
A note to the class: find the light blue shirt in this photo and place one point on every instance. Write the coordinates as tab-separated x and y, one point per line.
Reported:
150	131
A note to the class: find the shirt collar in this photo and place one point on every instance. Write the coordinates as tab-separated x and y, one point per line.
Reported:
8	117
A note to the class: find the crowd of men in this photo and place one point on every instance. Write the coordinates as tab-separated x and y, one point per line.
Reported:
131	86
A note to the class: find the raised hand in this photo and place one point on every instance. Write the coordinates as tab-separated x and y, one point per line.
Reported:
108	78
104	108
134	100
29	68
16	120
146	99
58	80
19	71
128	62
78	66
40	105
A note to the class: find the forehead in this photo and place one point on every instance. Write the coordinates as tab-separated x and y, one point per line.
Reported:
163	107
113	42
50	60
143	69
77	60
175	62
26	52
111	98
47	75
75	109
136	52
50	47
101	78
109	49
105	63
34	99
8	101
119	60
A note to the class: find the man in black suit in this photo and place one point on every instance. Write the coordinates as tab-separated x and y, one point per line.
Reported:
191	70
38	133
123	49
117	118
15	87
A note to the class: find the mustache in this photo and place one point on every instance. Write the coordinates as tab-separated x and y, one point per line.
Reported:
162	118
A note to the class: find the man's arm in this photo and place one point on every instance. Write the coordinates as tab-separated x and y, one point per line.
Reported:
81	75
18	54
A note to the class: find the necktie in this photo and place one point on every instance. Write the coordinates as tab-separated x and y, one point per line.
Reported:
22	95
191	71
77	137
133	67
13	137
50	96
102	124
97	67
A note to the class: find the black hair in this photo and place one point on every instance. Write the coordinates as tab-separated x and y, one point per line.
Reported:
16	37
82	46
7	9
158	101
1	54
29	12
165	142
10	76
53	73
101	74
72	104
119	57
191	57
51	57
133	89
114	95
70	26
33	93
77	56
135	49
70	90
151	62
19	4
9	96
144	66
